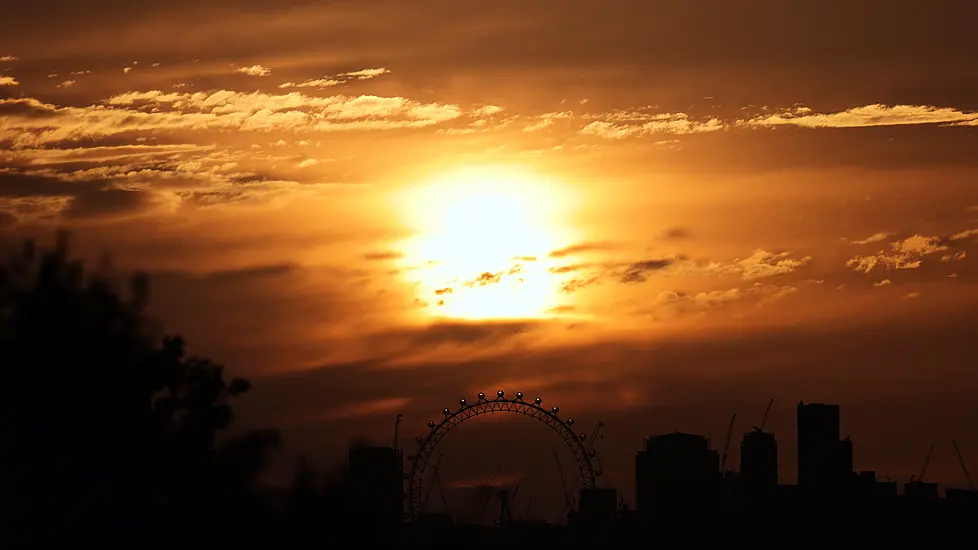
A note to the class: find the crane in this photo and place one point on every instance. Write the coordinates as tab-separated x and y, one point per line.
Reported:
594	436
923	469
967	476
767	411
437	481
726	444
397	428
569	504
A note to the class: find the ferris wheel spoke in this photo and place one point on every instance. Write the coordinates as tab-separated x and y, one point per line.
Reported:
485	406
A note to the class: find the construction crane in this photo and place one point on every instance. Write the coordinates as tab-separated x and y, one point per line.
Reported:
569	504
767	412
437	481
397	428
594	436
726	445
923	469
967	476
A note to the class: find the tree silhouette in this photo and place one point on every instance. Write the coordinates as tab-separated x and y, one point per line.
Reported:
110	429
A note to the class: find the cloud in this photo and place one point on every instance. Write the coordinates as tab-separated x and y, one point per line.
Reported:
908	253
8	58
66	84
15	184
957	256
639	272
8	81
759	265
254	70
866	116
336	80
364	74
314	83
547	120
884	282
34	123
670	303
382	256
965	235
632	125
676	233
107	203
874	238
581	248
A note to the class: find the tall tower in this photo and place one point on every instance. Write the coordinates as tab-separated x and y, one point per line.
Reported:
759	470
677	475
818	445
377	487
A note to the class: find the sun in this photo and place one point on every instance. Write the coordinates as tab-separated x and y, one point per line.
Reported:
482	238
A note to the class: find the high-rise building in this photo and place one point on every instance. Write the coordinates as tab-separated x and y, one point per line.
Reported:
759	470
824	462
825	477
677	474
377	490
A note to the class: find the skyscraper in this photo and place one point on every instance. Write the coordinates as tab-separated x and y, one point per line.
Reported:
759	470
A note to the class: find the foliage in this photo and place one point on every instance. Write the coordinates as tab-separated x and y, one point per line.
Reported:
109	427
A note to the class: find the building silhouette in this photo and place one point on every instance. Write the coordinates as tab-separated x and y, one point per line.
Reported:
677	478
759	473
377	491
824	461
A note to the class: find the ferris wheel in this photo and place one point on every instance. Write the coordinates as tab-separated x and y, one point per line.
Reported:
416	497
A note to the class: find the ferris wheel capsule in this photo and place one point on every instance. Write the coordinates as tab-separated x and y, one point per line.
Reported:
519	396
500	394
446	412
482	396
419	440
431	424
570	421
555	410
583	435
538	401
462	402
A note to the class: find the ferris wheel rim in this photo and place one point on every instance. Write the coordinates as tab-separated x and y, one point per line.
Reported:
485	406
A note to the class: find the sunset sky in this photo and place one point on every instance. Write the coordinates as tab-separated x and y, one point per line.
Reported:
655	213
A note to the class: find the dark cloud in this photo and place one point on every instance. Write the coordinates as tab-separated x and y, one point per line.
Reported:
383	256
96	203
676	233
459	333
250	273
26	107
639	272
18	185
581	248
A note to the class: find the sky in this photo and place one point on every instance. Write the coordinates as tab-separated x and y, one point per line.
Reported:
654	213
